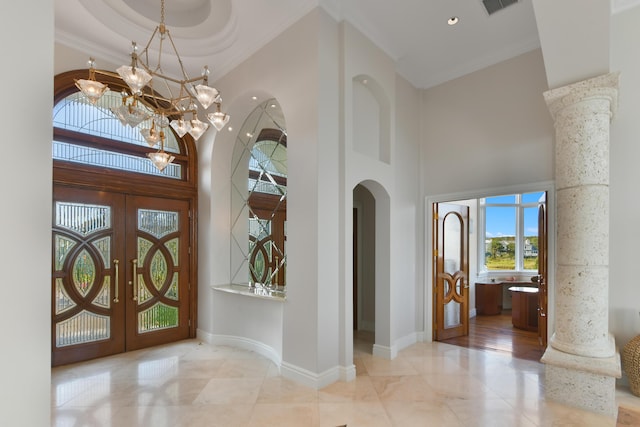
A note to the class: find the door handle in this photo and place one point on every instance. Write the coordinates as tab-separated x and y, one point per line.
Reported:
134	281
115	268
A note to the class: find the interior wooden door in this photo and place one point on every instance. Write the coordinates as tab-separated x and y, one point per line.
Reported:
87	302
157	271
121	273
451	270
542	274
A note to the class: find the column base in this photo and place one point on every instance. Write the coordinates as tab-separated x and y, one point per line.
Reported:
584	382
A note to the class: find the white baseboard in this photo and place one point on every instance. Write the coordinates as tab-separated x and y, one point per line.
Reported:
243	343
311	379
347	373
287	370
385	352
406	341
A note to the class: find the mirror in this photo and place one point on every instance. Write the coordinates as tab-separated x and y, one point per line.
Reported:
259	200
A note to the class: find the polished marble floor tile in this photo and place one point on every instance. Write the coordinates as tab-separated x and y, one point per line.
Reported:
194	384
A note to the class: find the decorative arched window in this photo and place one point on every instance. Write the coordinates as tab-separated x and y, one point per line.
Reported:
93	136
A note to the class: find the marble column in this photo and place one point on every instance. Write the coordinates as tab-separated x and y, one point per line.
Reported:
582	361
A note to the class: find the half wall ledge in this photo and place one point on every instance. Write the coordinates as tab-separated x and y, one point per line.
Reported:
255	292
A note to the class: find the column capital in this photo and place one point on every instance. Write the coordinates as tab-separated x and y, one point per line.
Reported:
601	87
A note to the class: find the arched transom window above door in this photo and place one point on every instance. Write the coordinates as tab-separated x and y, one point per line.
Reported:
92	135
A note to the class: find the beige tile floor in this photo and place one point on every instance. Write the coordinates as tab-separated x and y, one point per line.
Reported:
191	383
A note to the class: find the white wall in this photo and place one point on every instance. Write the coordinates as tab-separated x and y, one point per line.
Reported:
488	129
575	50
624	290
286	69
408	230
26	213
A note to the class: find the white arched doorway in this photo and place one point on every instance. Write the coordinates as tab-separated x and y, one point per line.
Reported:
371	312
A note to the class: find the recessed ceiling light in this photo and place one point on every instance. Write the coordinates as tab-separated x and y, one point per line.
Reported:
453	20
254	97
230	128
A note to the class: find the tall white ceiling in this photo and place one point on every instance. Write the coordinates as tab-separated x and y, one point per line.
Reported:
222	33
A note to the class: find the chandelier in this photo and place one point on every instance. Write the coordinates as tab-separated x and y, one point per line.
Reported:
171	100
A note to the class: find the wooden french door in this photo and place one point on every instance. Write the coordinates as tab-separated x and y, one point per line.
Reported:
120	277
542	274
451	270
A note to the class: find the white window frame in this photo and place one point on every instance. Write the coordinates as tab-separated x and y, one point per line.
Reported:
519	206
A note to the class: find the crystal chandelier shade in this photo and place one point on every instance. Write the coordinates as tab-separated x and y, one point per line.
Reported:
198	128
160	159
178	97
218	118
129	114
136	78
92	89
181	126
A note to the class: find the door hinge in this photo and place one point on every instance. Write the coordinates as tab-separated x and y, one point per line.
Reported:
189	322
435	252
435	216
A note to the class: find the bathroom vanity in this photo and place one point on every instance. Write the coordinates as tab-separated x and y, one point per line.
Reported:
488	298
524	311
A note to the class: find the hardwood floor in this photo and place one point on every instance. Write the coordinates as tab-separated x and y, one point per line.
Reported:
497	333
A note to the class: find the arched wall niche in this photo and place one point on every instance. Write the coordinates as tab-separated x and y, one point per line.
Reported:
371	119
258	197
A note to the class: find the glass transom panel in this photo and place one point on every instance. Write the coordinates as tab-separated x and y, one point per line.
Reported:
157	223
76	114
82	218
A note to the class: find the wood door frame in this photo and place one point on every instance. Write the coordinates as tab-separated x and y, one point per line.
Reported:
548	186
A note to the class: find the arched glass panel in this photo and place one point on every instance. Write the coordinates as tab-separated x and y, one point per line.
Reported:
74	113
452	253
